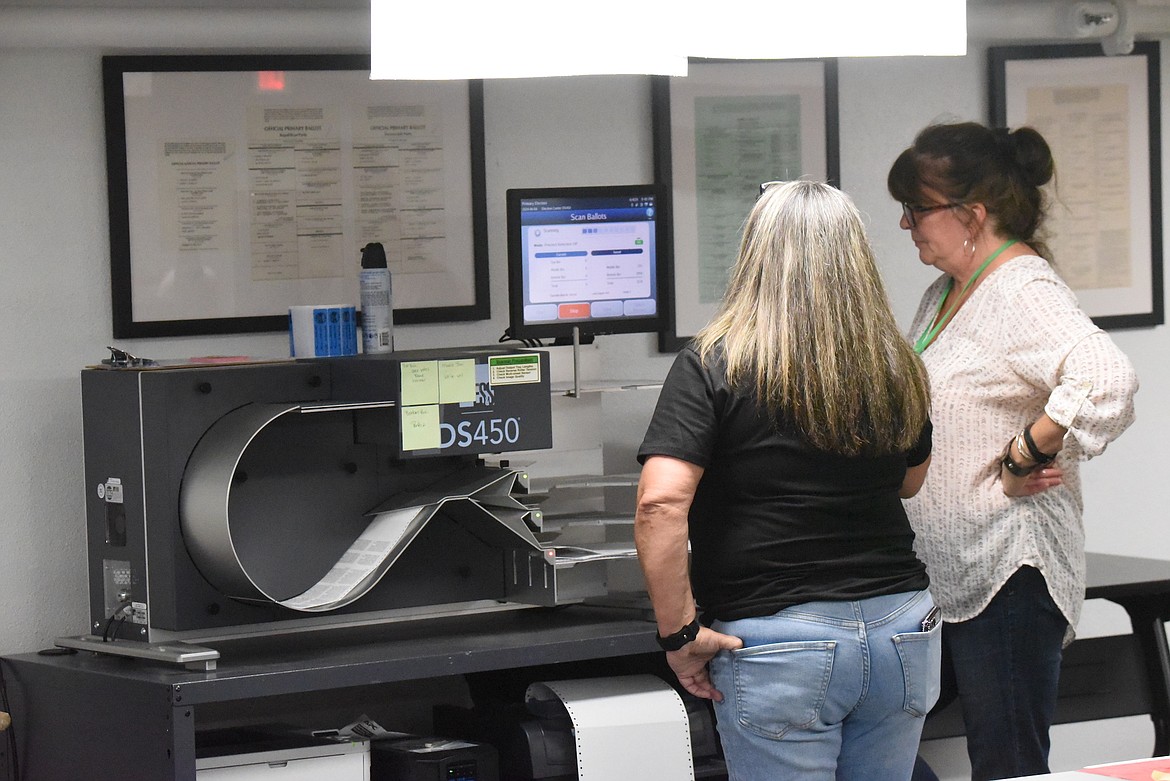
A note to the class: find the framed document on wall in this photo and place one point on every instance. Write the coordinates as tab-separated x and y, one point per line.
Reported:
719	133
242	185
1101	117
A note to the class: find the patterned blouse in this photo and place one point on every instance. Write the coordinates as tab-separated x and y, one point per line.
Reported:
1018	346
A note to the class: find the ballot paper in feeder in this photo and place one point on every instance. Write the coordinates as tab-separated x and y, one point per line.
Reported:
364	563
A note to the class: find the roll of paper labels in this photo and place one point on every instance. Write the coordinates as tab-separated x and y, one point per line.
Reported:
317	331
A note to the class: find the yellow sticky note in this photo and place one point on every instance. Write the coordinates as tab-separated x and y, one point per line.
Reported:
457	381
420	382
420	427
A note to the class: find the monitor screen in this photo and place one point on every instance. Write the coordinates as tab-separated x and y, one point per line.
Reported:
590	257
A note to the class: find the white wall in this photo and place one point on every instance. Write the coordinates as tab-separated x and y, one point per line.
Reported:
54	306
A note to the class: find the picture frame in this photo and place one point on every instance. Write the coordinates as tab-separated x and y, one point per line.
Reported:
241	185
1101	116
719	134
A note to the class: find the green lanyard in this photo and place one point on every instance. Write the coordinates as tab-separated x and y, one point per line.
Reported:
939	323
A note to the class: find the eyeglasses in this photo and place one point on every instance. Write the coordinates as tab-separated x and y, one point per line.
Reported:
911	211
766	185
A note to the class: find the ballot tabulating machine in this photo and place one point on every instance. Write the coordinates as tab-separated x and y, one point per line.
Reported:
258	498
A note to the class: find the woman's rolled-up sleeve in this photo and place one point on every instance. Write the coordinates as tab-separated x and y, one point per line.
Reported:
1052	344
1094	397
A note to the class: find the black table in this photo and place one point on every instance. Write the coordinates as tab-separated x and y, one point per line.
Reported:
117	718
1142	588
1112	676
122	718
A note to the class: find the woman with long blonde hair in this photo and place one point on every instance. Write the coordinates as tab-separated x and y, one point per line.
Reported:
806	322
784	437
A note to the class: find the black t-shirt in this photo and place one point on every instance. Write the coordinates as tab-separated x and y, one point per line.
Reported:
776	522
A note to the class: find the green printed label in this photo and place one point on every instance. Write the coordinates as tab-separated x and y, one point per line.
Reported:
513	369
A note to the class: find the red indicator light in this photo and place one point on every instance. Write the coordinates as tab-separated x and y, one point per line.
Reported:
270	81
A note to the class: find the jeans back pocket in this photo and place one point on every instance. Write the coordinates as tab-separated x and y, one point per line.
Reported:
921	656
776	687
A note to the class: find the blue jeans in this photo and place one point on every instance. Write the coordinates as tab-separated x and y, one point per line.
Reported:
828	690
1004	666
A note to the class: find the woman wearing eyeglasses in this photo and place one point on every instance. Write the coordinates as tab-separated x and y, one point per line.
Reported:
1024	388
782	440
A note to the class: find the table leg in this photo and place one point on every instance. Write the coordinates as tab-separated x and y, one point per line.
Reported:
1149	629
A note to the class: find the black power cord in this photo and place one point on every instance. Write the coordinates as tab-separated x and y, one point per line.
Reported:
119	615
529	343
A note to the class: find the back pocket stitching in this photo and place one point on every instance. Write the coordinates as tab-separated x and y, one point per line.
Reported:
904	643
742	655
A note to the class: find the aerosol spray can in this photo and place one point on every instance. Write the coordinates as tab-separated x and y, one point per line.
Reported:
377	301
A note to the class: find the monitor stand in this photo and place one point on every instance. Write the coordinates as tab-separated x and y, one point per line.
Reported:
577	342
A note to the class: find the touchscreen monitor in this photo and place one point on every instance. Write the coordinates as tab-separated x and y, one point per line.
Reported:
590	257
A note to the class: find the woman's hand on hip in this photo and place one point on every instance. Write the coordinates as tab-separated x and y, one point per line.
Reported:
1034	482
690	662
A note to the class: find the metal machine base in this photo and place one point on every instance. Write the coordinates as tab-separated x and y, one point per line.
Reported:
193	657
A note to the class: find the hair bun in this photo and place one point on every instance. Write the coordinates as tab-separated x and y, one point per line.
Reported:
1030	153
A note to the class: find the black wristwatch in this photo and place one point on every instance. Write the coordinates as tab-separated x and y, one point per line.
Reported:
680	638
